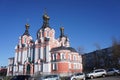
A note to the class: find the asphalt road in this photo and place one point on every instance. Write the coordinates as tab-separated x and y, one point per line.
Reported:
107	78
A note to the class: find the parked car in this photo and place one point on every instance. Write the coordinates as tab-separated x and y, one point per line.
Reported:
97	73
77	76
21	77
50	77
113	71
1	78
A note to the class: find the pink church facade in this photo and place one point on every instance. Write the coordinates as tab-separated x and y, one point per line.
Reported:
45	55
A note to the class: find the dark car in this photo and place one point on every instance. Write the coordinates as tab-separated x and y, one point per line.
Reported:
21	77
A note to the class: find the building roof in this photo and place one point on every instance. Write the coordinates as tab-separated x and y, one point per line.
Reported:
63	48
11	58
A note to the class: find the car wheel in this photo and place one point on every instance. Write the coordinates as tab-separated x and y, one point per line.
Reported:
115	74
74	79
83	79
103	75
91	77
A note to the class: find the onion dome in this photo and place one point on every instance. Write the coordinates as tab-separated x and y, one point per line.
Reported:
26	31
46	17
62	32
45	21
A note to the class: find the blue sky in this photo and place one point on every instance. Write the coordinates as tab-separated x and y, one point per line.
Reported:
86	22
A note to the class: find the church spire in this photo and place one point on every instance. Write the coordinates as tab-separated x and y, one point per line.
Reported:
26	31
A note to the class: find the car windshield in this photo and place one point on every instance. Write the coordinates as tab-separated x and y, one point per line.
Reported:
110	70
79	74
99	70
91	71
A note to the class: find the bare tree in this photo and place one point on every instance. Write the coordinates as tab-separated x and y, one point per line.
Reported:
96	55
116	51
97	46
80	50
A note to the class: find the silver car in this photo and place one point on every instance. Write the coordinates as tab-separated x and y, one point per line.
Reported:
97	73
78	76
50	77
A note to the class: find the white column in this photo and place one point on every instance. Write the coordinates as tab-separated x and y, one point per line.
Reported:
36	54
61	55
29	52
41	52
20	69
8	71
19	57
36	66
16	57
48	54
23	57
14	70
39	67
53	58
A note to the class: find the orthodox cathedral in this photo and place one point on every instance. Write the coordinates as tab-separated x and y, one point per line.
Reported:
45	55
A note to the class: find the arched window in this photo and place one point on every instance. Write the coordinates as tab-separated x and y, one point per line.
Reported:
63	56
74	57
24	40
78	58
28	69
55	56
69	57
54	66
47	33
69	65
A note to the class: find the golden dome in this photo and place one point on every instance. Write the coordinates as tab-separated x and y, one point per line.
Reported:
27	26
46	17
